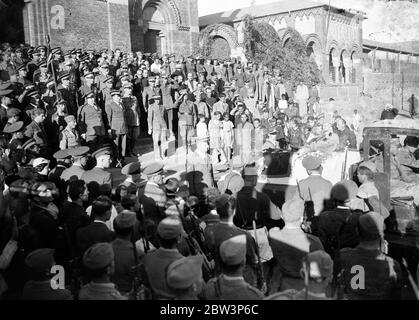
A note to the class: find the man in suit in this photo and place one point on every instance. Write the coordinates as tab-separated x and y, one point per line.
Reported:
154	197
169	232
78	155
98	174
117	125
157	126
132	171
90	120
97	231
315	189
35	130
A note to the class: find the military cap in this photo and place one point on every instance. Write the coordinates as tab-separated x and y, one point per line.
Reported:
50	83
78	151
151	79
98	256
156	97
102	151
89	75
183	273
56	50
61	154
233	250
31	51
38	161
371	226
15	127
69	118
42	64
108	79
29	143
131	168
21	67
311	163
293	210
64	76
115	93
60	101
344	190
41	47
172	186
89	94
126	219
40	260
4	93
32	94
221	200
169	228
104	66
320	264
369	165
128	85
78	51
122	76
154	168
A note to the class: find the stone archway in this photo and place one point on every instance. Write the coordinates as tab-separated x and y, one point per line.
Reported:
222	35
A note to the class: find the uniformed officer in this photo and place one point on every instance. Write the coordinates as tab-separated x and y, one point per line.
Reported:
133	179
132	117
100	265
76	170
90	120
156	263
187	118
39	263
149	92
117	126
184	277
13	115
16	132
98	174
230	285
69	137
317	267
63	162
157	126
314	190
87	87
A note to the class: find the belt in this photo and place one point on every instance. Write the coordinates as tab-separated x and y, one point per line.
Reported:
251	228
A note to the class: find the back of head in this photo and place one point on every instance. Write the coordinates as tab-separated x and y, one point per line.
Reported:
293	211
225	205
101	207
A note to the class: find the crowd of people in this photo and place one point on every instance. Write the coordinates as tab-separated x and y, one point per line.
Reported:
67	118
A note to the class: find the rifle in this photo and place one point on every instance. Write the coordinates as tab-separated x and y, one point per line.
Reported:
343	173
261	285
306	224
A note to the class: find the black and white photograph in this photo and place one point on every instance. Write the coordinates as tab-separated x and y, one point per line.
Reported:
226	152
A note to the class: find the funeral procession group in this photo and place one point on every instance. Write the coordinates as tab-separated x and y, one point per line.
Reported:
77	191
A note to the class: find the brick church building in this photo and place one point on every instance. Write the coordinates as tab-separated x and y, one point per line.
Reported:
163	26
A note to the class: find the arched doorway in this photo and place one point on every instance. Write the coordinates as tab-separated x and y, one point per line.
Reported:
220	49
154	26
333	65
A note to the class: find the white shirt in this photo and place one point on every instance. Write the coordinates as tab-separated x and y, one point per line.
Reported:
201	130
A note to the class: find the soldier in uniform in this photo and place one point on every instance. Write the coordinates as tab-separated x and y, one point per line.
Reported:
87	88
100	266
156	263
117	126
63	162
184	278
90	120
67	93
187	118
315	189
317	266
69	137
230	285
149	92
79	160
39	263
36	129
132	171
98	174
157	126
132	117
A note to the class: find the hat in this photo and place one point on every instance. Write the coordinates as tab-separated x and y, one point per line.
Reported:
169	228
171	186
233	250
61	154
60	101
131	168
108	79
101	152
21	67
311	163
77	151
371	226
369	165
11	112
320	264
89	75
4	93
40	260
126	219
344	190
98	256
128	85
29	144
15	127
38	161
183	273
38	48
64	76
153	168
293	210
89	94
69	118
115	93
222	200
